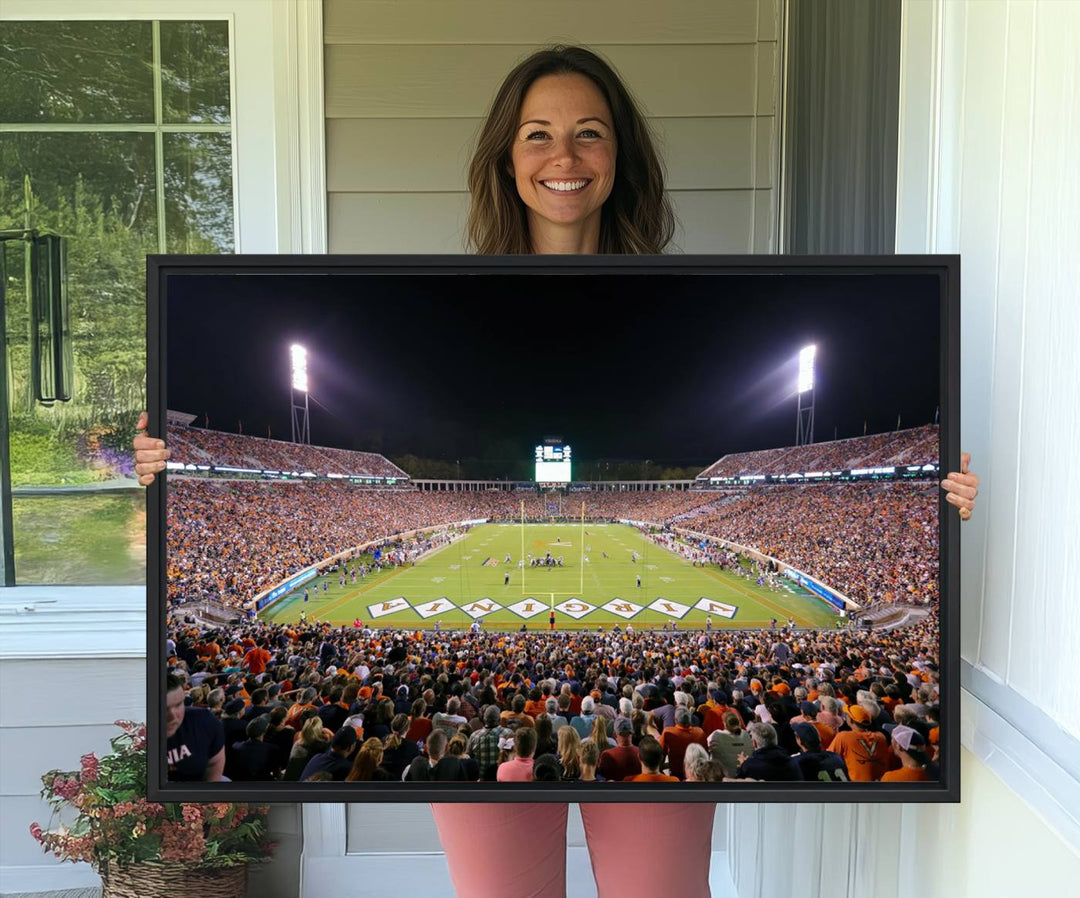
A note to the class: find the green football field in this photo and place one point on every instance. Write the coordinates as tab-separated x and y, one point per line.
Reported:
597	585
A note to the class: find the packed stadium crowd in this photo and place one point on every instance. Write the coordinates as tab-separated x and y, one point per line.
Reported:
873	542
257	702
917	445
230	540
191	445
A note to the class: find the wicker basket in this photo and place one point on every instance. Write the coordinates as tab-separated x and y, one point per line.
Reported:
151	880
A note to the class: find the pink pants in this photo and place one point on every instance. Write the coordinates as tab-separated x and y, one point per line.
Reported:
494	850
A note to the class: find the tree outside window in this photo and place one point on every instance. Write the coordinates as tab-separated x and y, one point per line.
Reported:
118	136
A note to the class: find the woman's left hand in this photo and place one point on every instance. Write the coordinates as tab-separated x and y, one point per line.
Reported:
962	487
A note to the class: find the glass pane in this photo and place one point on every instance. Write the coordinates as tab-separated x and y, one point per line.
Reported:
98	72
97	190
81	540
198	193
195	72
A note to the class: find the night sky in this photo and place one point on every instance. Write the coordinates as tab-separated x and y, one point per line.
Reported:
676	368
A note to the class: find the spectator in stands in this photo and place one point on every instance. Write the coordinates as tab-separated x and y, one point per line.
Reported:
546	769
483	746
546	743
652	756
815	764
622	761
675	740
910	748
436	766
367	765
337	761
419	724
569	754
864	751
727	744
588	757
312	741
255	759
398	750
600	735
519	768
769	762
586	720
194	738
456	748
695	760
449	721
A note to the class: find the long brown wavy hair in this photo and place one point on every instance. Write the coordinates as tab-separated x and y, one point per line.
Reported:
637	216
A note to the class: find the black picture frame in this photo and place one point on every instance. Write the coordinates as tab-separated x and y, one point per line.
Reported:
945	267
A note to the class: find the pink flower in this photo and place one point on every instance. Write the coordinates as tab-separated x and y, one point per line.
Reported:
192	813
65	788
89	768
181	842
36	832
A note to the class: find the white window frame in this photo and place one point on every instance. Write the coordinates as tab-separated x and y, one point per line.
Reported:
279	206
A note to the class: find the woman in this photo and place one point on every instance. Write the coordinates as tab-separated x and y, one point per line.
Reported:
694	763
565	164
569	742
457	748
588	759
367	765
399	751
546	743
309	743
600	734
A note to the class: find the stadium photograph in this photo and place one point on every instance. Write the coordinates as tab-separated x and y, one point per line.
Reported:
515	527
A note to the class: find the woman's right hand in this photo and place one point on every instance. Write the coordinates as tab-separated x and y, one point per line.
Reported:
150	453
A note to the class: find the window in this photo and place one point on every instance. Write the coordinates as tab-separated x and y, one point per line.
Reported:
118	136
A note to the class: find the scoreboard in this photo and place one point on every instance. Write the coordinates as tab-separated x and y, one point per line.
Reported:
552	464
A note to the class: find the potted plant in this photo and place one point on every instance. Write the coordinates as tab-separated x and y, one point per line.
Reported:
143	848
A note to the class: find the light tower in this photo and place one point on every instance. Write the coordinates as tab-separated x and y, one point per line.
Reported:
301	426
804	424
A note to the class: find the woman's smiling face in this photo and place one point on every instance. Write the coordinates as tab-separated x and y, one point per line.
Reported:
563	155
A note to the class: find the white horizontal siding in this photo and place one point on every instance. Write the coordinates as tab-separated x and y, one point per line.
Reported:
408	81
522	22
396	155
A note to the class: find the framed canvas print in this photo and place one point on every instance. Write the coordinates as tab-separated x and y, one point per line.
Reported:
463	528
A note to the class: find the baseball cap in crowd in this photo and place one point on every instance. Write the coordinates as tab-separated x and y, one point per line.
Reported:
907	738
624	726
235	706
344	738
859	714
809	735
809	708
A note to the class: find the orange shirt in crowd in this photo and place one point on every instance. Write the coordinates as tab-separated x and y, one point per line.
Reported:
535	709
651	778
866	754
256	660
826	733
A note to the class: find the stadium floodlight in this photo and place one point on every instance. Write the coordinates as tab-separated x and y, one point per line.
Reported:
804	427
299	367
301	424
806	368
